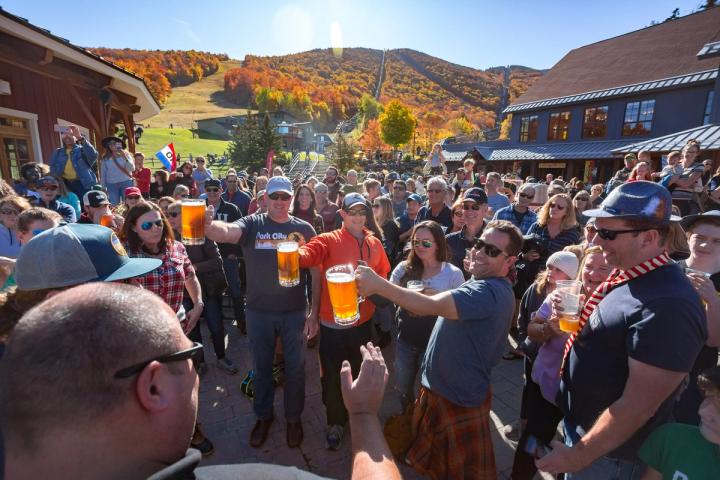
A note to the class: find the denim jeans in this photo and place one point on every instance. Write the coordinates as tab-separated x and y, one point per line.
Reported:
212	313
408	359
263	328
116	191
604	468
232	275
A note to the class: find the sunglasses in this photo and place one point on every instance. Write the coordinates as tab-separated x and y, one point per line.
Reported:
212	189
358	213
195	353
5	211
279	196
471	207
185	196
556	205
229	181
173	214
132	197
320	191
424	243
490	250
49	188
398	188
606	234
148	225
526	195
436	190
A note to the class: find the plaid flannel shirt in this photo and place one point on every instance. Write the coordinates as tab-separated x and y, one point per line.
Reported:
508	213
168	280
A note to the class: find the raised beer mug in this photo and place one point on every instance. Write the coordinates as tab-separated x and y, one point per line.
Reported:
343	292
288	260
192	227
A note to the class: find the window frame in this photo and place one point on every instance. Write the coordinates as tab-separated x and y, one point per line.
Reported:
630	127
585	123
530	119
707	112
566	130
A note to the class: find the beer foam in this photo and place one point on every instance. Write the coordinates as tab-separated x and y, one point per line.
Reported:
340	277
287	246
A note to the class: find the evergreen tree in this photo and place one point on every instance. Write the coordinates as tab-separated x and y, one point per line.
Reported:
342	152
268	138
252	142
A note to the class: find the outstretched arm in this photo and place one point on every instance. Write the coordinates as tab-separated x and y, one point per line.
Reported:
220	232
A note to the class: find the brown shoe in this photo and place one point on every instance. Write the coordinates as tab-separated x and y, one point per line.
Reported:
259	433
294	434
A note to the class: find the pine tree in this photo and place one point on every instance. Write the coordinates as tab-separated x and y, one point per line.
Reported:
268	138
342	152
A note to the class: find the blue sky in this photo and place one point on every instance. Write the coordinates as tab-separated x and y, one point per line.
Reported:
477	34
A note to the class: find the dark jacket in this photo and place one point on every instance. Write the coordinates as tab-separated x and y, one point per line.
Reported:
228	212
65	210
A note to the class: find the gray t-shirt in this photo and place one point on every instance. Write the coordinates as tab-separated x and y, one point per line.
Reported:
260	235
497	201
461	353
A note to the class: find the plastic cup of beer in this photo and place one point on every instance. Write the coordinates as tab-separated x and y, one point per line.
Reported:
569	318
106	220
288	260
343	294
193	221
416	285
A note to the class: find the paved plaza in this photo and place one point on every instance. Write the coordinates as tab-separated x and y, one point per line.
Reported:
227	417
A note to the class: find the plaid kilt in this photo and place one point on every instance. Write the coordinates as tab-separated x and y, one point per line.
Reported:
451	441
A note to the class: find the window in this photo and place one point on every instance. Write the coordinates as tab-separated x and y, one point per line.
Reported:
558	126
708	107
595	122
528	128
638	118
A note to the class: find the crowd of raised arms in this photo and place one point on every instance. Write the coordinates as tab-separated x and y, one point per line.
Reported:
608	294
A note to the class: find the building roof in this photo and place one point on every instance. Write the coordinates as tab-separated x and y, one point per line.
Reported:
122	80
506	150
662	51
707	135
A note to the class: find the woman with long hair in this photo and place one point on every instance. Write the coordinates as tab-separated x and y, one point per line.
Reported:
426	263
10	208
161	186
183	176
383	213
116	167
305	208
581	202
66	195
544	346
641	171
260	186
458	218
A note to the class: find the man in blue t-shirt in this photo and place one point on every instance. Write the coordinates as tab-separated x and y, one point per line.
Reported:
467	341
627	364
273	310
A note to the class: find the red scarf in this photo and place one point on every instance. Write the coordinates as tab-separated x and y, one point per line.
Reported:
617	277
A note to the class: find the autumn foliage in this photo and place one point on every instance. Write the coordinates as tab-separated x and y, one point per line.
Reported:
164	69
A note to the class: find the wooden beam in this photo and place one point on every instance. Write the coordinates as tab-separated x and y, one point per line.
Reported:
82	104
129	131
49	70
49	56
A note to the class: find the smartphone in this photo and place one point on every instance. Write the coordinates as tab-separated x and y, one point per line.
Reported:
535	448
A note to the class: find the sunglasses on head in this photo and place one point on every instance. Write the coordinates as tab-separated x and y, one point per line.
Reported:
474	206
279	196
556	205
195	353
148	225
490	250
606	234
424	243
212	189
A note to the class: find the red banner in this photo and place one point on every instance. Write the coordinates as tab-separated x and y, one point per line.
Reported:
269	161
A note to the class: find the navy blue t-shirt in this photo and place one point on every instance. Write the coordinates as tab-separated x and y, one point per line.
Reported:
655	319
444	217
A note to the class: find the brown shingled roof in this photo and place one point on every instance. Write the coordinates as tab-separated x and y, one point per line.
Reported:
660	51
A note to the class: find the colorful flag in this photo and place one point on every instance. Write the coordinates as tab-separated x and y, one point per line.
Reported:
269	161
167	157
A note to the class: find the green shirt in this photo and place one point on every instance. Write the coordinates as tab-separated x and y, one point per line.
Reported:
680	452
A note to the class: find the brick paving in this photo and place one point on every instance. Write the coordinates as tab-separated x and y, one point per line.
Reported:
226	415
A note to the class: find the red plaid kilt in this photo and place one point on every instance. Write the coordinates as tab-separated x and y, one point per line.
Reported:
451	441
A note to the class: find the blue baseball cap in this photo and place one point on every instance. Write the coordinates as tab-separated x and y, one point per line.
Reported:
279	184
642	200
73	254
414	197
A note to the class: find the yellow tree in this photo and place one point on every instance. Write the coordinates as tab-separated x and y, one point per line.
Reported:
397	124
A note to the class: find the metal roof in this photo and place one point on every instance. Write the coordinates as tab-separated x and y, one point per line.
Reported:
505	150
707	135
688	79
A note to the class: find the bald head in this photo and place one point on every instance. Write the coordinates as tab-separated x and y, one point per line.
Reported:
62	355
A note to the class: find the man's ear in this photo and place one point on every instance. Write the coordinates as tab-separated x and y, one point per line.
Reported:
152	388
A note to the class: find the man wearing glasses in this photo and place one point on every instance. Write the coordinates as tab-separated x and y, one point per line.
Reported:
234	195
474	209
398	197
273	310
467	341
640	334
436	209
519	213
48	188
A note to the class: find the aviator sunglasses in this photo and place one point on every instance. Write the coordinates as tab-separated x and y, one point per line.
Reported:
148	225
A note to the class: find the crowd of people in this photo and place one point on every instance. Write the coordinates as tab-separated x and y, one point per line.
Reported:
458	270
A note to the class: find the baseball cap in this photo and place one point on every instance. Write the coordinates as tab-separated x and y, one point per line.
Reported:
414	197
108	140
76	253
631	157
213	182
43	181
279	184
132	191
566	262
476	195
352	199
95	198
392	176
689	220
642	200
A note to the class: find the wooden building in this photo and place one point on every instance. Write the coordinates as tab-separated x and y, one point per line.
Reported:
46	81
607	98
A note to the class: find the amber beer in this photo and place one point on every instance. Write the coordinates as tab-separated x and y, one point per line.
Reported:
106	220
569	318
569	323
343	294
288	264
192	213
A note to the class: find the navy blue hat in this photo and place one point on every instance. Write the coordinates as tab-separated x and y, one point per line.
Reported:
414	197
475	194
642	200
213	182
689	220
76	253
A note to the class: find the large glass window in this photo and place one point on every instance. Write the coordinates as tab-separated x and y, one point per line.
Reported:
558	126
708	107
595	122
528	128
638	118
